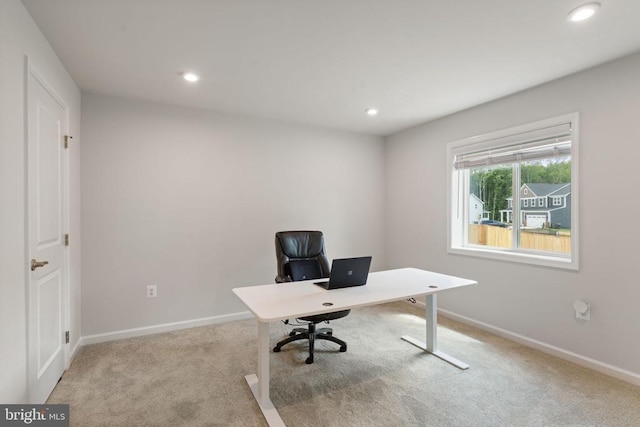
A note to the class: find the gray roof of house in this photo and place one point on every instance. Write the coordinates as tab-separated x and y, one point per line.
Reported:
541	190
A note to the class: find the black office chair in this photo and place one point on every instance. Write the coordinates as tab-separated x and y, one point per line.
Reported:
301	256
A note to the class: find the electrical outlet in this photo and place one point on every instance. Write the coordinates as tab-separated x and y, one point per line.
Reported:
584	316
152	291
583	310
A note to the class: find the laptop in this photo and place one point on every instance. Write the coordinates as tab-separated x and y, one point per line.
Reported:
347	272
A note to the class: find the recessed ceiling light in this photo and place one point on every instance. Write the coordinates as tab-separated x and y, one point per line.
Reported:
371	111
583	12
190	77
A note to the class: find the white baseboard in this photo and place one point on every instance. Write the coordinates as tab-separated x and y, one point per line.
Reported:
596	365
156	329
74	350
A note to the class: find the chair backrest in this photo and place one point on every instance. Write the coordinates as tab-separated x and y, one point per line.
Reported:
307	246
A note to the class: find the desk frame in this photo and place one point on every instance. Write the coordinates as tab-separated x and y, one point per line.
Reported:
419	282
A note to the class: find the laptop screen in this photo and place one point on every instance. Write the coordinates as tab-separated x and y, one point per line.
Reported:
347	272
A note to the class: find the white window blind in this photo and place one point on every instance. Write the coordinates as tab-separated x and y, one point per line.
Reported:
538	144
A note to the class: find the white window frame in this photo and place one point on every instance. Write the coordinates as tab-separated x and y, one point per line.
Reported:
457	206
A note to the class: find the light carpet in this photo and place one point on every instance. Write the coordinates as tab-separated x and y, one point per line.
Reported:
195	377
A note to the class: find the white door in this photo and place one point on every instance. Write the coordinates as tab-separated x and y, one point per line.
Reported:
46	171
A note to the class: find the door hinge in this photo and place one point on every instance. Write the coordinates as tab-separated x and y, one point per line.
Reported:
66	337
66	140
66	239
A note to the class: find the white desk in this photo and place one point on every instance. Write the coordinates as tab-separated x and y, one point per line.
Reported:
270	303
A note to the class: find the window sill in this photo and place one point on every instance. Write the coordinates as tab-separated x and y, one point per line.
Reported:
517	257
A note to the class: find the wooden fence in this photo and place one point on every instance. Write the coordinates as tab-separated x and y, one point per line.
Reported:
488	235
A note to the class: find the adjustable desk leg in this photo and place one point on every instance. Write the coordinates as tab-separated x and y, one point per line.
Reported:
259	384
431	346
263	361
431	316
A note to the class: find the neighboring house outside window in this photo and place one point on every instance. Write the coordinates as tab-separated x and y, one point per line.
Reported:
477	212
559	216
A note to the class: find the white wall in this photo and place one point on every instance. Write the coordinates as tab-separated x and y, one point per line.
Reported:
536	302
19	37
190	201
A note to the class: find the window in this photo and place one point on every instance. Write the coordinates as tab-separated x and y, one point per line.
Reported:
508	171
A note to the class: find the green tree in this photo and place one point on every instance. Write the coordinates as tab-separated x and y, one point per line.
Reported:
493	187
547	172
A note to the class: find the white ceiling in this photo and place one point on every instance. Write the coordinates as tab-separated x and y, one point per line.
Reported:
324	62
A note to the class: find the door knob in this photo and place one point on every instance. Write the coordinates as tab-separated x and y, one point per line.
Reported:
35	264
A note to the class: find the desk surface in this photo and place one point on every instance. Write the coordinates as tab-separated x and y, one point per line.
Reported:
295	299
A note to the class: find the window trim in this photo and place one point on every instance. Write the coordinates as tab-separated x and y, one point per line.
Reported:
456	205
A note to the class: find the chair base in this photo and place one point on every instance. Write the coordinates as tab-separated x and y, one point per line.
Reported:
312	334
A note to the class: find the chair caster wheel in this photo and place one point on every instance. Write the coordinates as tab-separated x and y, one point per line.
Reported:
276	349
309	360
343	348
